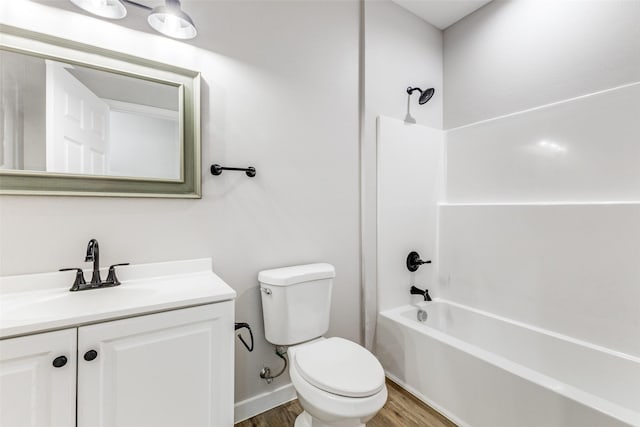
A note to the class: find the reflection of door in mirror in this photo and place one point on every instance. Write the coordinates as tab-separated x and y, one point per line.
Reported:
64	118
77	124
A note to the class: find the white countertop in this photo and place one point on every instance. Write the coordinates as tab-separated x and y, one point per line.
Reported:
42	302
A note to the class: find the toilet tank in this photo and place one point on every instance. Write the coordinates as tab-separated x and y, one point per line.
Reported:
296	302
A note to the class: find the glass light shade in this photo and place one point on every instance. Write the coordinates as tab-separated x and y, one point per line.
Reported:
172	21
112	9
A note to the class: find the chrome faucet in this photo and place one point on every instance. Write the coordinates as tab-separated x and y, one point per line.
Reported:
93	254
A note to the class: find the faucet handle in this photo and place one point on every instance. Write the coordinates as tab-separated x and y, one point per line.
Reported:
414	261
79	284
112	279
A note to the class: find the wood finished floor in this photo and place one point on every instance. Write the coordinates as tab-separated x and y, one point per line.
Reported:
401	410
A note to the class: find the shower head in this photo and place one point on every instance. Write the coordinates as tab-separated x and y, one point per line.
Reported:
425	95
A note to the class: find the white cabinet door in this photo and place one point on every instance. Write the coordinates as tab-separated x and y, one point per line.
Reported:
167	369
34	392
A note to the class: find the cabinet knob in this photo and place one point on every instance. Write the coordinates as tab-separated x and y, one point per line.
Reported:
90	355
60	361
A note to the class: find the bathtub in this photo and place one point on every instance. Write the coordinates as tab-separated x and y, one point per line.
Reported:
482	370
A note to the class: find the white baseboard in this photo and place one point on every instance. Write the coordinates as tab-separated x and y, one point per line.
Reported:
263	402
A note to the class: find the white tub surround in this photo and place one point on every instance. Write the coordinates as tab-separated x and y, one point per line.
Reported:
582	149
156	350
410	163
568	268
467	363
536	258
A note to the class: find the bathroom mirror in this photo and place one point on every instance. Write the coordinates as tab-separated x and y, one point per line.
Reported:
80	120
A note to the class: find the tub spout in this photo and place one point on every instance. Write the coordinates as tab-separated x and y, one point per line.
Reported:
418	291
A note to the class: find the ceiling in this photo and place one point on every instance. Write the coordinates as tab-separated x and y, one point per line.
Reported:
441	13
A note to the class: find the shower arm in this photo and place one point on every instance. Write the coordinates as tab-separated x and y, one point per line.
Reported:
425	95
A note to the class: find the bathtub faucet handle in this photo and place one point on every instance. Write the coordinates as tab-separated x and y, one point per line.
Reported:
418	291
414	261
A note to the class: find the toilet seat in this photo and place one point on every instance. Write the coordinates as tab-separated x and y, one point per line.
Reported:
340	367
330	407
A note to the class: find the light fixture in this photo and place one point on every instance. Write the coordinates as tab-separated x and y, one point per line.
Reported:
112	9
168	19
171	21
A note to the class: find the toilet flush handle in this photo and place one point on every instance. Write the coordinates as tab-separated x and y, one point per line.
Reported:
266	291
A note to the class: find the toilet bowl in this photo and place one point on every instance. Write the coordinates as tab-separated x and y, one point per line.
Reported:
338	383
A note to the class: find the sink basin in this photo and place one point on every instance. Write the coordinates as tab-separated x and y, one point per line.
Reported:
40	302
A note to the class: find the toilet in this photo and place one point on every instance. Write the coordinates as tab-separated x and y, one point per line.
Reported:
339	383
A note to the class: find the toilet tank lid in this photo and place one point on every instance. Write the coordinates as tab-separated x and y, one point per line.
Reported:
287	276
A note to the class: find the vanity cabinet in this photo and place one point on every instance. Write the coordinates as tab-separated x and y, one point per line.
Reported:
166	369
32	391
173	368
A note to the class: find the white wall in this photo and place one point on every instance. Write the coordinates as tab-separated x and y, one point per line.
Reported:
400	50
512	55
134	137
25	92
280	92
542	223
35	156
